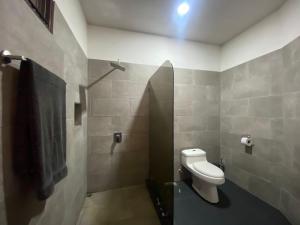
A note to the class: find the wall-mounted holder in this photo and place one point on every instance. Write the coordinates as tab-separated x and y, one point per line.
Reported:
6	57
248	142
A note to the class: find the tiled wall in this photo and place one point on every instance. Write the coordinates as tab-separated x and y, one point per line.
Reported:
118	102
262	98
197	106
23	33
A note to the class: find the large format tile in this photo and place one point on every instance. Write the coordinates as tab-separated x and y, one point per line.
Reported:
100	126
130	205
289	205
183	76
183	107
265	190
291	105
235	108
110	107
206	78
266	107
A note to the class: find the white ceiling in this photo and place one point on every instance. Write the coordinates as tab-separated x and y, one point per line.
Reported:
209	21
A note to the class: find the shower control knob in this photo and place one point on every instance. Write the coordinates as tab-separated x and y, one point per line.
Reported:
157	201
117	137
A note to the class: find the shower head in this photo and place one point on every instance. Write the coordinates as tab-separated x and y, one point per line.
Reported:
117	66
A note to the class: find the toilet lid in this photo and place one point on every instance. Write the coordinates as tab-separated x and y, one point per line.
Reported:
208	169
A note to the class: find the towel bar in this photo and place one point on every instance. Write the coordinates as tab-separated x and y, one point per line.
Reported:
6	57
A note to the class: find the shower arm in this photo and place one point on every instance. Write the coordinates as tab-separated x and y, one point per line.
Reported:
115	66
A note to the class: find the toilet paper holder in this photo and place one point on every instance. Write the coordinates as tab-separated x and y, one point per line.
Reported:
247	140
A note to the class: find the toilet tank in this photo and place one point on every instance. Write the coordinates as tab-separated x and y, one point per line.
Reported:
189	156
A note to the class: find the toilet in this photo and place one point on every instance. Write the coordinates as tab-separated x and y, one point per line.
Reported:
206	176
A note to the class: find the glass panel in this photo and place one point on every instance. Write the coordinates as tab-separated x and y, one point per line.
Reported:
161	177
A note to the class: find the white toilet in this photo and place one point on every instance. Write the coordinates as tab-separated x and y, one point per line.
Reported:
206	176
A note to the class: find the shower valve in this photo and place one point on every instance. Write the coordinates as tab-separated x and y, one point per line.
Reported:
117	137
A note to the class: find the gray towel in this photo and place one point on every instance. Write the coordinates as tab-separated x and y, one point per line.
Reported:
40	151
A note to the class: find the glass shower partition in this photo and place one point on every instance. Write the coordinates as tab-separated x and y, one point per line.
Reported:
161	142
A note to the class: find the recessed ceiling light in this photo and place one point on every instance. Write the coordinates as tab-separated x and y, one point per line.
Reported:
183	8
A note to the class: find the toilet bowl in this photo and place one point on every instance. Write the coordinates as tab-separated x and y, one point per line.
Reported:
205	175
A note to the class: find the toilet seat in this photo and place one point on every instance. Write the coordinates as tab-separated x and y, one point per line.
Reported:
208	169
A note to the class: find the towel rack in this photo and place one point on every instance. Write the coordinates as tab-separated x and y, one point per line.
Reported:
6	57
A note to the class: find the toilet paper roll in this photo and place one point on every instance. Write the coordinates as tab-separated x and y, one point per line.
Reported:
246	141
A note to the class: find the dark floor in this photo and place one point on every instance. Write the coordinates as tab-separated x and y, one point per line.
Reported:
236	207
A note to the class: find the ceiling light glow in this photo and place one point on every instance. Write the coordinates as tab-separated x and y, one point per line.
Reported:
183	8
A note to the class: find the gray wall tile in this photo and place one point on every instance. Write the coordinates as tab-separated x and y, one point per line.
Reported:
265	190
183	107
235	108
185	77
139	107
110	107
100	126
289	206
266	107
296	157
206	78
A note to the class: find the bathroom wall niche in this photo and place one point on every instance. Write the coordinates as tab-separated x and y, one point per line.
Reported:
77	114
